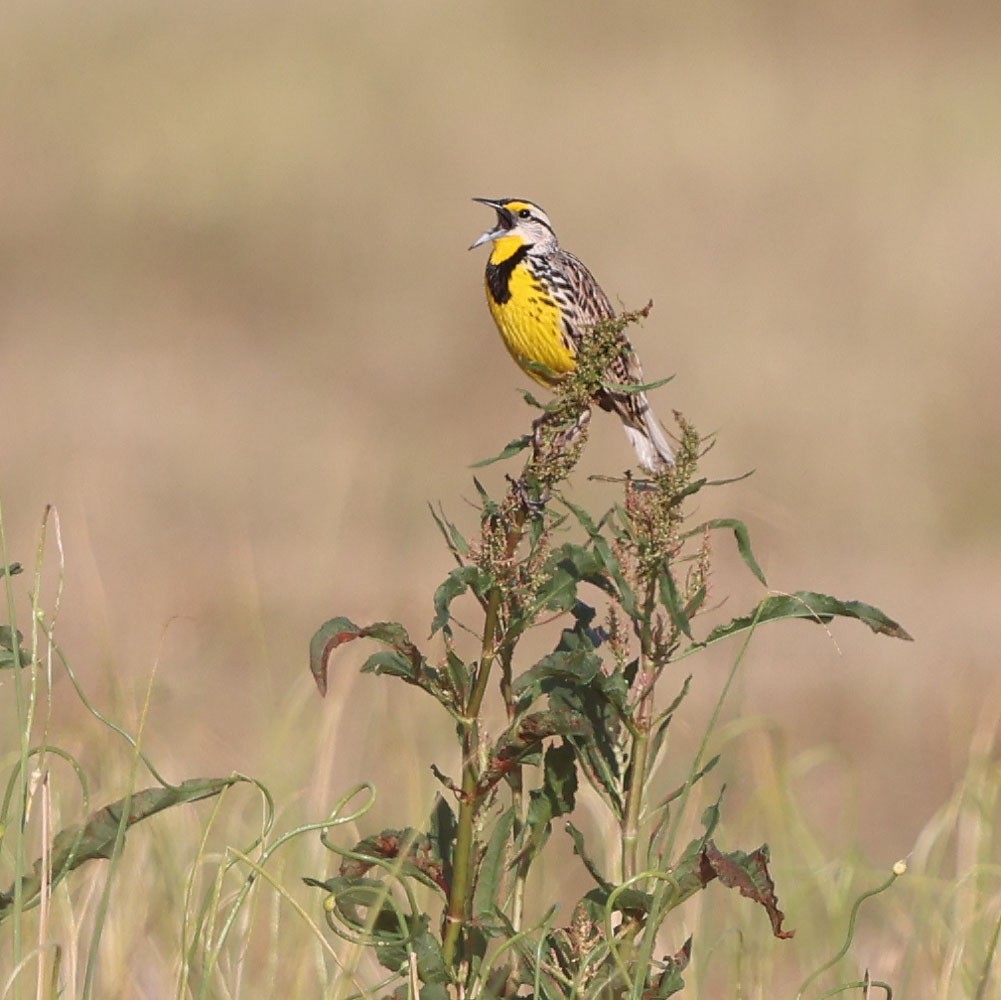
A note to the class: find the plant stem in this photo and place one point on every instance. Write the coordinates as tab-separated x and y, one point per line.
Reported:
460	896
640	756
462	862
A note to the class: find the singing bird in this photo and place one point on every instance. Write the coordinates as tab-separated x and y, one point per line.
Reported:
545	303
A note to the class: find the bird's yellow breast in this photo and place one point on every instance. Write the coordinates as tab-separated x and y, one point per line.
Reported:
528	317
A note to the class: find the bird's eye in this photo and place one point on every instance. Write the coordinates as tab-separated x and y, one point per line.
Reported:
524	214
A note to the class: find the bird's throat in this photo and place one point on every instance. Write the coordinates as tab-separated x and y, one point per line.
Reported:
508	253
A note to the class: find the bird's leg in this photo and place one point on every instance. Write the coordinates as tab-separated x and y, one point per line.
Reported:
534	506
552	434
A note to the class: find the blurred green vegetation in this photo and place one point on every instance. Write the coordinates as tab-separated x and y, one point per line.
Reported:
242	343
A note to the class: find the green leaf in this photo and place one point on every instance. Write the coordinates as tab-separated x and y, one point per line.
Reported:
531	400
556	797
605	559
671	600
576	666
544	372
431	967
669	981
581	851
391	663
743	538
710	815
392	934
810	606
631	389
685	785
458	673
573	662
573	680
490	874
11	640
454	539
489	504
459	581
633	901
568	567
442	829
511	449
96	837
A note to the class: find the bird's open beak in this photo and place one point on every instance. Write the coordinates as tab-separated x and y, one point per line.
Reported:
504	222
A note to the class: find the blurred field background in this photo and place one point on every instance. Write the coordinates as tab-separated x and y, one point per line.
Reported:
242	346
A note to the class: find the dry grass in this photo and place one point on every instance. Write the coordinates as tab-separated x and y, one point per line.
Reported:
242	345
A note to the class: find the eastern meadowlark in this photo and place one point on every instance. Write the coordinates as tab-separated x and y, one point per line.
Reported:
545	302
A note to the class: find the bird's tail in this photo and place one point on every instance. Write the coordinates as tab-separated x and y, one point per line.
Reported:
645	432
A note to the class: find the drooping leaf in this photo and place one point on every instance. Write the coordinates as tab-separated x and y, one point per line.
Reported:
459	674
820	608
326	639
598	752
367	907
431	967
748	873
95	837
530	400
702	862
740	533
394	948
401	659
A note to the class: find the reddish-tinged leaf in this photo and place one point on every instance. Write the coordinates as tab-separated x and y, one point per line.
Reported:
415	851
337	631
748	873
326	639
525	738
669	981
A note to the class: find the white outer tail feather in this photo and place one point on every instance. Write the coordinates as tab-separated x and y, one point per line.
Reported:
650	443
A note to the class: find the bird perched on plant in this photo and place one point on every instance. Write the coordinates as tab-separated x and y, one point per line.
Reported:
545	303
